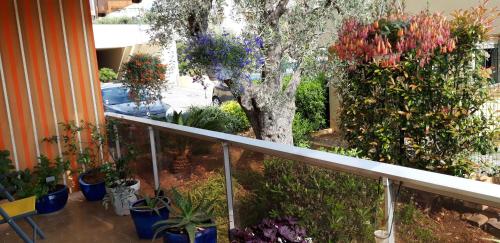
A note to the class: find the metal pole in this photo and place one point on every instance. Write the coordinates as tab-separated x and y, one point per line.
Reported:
117	142
229	184
389	209
153	156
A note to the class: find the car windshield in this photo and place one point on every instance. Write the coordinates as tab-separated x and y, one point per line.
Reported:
114	96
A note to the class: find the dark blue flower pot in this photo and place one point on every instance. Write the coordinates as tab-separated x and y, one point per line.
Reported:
53	201
144	219
92	192
209	235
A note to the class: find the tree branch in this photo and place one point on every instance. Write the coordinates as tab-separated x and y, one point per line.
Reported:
334	4
274	16
294	83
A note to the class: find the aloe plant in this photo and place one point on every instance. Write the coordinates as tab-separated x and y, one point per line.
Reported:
155	203
187	216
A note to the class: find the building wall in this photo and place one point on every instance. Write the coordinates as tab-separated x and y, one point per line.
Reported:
110	58
449	6
48	74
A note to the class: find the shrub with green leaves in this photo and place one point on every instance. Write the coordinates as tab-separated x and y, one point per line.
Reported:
333	206
107	74
302	129
211	118
234	109
7	173
310	100
416	98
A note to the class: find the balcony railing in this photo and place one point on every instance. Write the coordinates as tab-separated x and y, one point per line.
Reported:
391	175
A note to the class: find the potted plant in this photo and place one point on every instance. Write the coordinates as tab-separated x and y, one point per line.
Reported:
121	187
51	196
147	211
144	76
191	222
222	56
88	155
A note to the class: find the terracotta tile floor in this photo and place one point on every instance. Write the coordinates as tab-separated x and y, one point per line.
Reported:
79	222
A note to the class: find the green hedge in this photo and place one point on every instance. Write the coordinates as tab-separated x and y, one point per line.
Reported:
311	99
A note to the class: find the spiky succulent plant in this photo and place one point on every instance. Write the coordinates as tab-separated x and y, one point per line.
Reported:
188	217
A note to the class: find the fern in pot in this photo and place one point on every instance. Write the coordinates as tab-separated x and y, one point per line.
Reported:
190	222
121	186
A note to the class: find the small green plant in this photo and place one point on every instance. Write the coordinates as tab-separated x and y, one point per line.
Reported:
107	74
48	174
234	109
118	172
188	217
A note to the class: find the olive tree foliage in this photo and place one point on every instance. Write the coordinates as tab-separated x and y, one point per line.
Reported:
292	31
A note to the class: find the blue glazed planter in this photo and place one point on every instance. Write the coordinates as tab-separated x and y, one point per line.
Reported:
92	192
209	235
144	219
53	201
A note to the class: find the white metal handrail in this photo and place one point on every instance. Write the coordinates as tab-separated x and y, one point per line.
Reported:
455	187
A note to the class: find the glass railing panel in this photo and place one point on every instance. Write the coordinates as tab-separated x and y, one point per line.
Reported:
194	167
134	143
330	205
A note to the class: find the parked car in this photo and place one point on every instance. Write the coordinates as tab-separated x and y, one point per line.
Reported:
117	99
222	92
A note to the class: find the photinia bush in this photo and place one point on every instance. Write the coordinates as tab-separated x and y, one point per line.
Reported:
144	75
413	93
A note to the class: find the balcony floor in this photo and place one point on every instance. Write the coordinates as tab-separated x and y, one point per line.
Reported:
79	221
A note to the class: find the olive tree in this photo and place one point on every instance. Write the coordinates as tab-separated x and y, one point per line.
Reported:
291	30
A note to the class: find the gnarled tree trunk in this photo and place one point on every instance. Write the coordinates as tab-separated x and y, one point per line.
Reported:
270	112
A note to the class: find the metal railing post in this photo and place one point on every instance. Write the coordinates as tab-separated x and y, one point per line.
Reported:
117	142
389	209
229	184
153	156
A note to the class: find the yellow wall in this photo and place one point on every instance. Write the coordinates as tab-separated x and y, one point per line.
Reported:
448	6
48	74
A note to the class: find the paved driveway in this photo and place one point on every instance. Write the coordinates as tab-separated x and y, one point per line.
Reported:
181	98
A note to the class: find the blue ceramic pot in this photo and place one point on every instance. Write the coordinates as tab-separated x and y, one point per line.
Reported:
92	192
53	201
144	219
209	235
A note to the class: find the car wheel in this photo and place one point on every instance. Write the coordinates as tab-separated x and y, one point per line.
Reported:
216	101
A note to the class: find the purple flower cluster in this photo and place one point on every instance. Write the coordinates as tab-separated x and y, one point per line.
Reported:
231	57
283	229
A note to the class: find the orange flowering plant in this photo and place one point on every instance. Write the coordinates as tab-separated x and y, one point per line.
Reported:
144	75
414	91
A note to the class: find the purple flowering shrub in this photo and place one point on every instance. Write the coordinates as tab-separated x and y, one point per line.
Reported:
282	230
231	57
